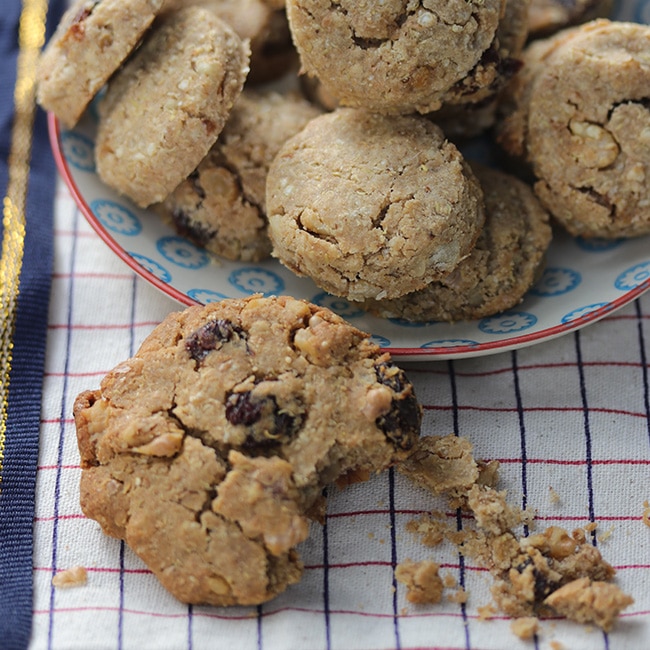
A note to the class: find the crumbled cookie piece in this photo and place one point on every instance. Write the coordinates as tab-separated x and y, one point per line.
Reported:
442	464
76	576
208	451
588	601
422	580
528	570
525	627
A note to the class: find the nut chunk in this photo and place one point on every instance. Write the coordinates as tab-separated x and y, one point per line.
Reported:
207	452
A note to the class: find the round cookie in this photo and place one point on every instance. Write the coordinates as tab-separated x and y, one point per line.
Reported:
264	26
166	107
504	264
221	206
549	16
91	41
207	452
371	206
390	58
579	116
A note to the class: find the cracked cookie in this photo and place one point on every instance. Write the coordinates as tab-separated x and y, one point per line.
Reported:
579	115
91	41
207	452
221	205
371	206
549	16
166	107
402	56
502	266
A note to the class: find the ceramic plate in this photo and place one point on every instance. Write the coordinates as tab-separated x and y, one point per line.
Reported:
584	280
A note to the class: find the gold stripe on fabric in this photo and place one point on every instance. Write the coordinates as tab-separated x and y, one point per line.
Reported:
31	36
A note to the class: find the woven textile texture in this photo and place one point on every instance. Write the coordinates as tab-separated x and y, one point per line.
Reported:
568	419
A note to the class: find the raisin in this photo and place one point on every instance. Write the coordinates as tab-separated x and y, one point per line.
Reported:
401	425
211	336
242	409
77	28
543	586
196	232
267	424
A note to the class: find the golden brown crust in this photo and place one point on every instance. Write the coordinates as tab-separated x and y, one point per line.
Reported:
207	451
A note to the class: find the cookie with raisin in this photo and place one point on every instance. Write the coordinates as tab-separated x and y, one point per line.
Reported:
221	206
208	450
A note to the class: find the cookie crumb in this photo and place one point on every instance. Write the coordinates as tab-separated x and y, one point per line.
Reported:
646	513
459	596
544	573
430	530
449	581
422	581
607	534
525	627
553	495
486	612
587	601
74	577
556	645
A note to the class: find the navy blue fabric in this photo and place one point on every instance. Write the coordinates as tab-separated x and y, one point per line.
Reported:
25	386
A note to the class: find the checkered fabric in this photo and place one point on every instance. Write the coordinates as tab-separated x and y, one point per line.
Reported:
568	419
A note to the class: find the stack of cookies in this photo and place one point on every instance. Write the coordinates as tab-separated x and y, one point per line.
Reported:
358	182
209	449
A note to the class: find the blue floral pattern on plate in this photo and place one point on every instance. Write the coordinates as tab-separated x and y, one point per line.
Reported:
116	217
556	281
181	252
79	150
253	279
153	267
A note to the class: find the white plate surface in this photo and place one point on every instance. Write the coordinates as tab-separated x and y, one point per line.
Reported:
583	280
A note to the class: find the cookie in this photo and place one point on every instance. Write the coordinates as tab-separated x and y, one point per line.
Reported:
166	107
549	16
91	41
221	206
264	26
371	206
503	265
391	58
579	117
207	452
